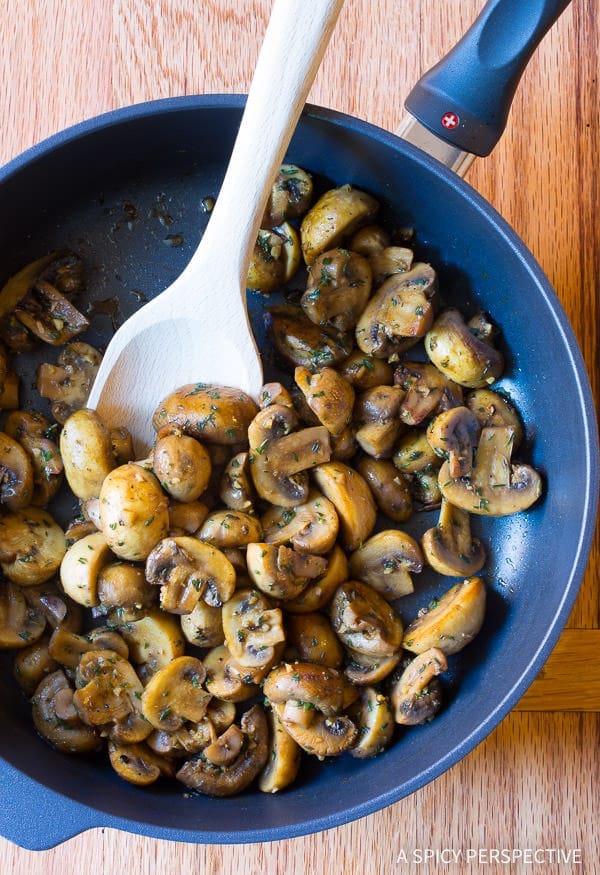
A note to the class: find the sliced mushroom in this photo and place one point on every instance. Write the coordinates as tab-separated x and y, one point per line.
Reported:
368	670
311	527
67	647
365	372
47	467
274	393
375	723
227	528
184	568
154	640
226	748
414	453
389	487
399	312
318	594
190	739
20	623
377	415
275	259
32	546
309	685
460	354
414	697
290	196
138	764
284	758
453	436
495	487
336	215
300	342
108	688
16	474
19	284
493	409
32	663
390	261
364	621
428	391
386	561
227	679
86	451
369	240
236	490
280	457
69	737
58	609
68	383
182	465
324	737
252	628
49	315
338	288
80	567
281	572
204	626
449	547
227	780
211	413
352	499
425	489
174	694
313	639
451	622
329	396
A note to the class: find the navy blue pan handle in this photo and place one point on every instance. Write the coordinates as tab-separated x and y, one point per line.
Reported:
465	99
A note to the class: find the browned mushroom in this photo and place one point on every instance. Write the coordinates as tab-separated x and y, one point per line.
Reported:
281	572
414	695
364	621
311	527
338	288
70	737
67	384
461	353
389	487
16	474
328	395
300	342
400	312
427	391
281	457
226	780
386	561
184	568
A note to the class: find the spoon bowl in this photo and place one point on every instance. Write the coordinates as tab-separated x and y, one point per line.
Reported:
197	330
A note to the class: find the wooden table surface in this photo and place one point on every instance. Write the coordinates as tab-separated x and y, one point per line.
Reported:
534	783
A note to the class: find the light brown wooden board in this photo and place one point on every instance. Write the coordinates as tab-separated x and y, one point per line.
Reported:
534	782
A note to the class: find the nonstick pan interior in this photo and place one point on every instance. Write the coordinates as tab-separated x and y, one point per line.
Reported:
126	191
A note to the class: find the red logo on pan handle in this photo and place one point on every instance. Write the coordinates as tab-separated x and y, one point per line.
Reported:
450	121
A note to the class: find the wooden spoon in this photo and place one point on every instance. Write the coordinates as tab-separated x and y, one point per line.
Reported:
198	330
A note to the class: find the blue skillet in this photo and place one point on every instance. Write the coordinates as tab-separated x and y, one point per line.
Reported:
110	189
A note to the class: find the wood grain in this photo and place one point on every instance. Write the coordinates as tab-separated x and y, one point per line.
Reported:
534	782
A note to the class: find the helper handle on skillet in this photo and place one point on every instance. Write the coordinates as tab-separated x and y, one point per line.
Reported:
465	99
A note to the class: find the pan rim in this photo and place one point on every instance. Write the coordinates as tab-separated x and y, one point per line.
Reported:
100	817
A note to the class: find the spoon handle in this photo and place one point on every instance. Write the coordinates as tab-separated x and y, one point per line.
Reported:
294	43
